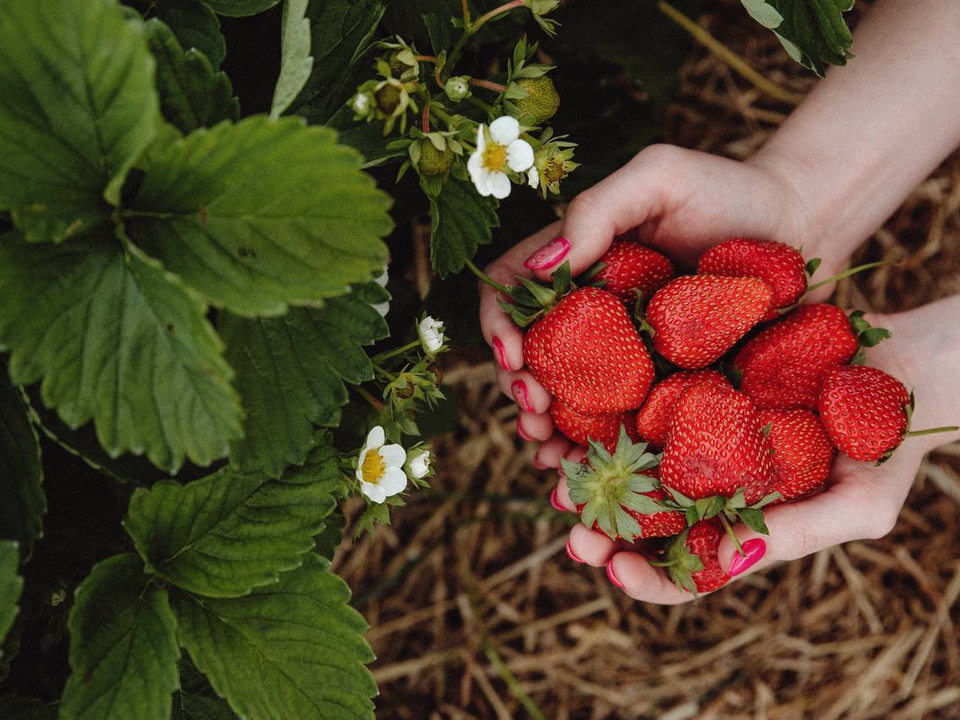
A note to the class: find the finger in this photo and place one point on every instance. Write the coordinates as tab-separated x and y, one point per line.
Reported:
525	390
641	581
561	495
550	452
589	547
534	426
863	502
498	329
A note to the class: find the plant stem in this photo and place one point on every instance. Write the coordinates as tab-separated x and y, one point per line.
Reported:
516	689
425	58
725	54
848	273
383	371
487	279
466	12
393	353
496	87
486	107
470	30
442	114
426	118
377	405
732	534
931	431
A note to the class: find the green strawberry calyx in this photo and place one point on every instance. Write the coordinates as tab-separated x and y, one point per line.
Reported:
608	484
680	563
908	408
867	335
530	300
728	509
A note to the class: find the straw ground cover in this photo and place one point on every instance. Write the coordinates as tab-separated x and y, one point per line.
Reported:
478	612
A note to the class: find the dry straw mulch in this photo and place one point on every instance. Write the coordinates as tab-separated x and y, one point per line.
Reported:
476	608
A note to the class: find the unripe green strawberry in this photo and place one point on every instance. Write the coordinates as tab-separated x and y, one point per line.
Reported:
542	100
802	452
434	162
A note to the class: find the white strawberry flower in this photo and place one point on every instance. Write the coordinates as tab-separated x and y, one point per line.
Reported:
380	467
418	463
430	331
499	148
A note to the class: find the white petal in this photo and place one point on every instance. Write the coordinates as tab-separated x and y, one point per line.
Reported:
393	481
481	181
374	492
375	438
363	455
475	166
533	178
382	308
481	140
505	130
381	280
419	464
519	155
393	455
499	185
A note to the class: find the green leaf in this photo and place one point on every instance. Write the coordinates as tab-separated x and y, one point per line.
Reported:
291	372
202	707
77	108
753	519
261	214
240	8
329	539
461	221
22	504
227	533
195	25
296	62
13	707
763	13
341	32
118	340
290	650
192	93
123	646
11	585
816	29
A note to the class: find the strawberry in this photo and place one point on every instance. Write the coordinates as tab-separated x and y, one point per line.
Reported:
779	266
716	447
802	452
616	493
653	419
586	352
691	559
864	410
603	428
784	365
697	318
629	267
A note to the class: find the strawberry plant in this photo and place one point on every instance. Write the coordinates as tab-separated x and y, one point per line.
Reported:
204	354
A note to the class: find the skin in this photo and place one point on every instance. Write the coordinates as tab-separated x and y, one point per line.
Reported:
829	177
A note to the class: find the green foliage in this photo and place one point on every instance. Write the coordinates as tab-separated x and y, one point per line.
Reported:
20	708
812	31
240	8
298	362
194	24
461	221
263	652
21	498
76	110
229	533
124	647
296	62
239	214
11	585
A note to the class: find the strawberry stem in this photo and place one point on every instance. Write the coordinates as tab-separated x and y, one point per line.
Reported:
848	273
733	536
487	279
931	431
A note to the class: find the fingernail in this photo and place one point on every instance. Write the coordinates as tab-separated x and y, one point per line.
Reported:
613	578
557	506
572	554
519	388
521	432
501	353
549	255
753	551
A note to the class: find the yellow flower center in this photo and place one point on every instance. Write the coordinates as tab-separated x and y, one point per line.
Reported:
373	467
494	157
553	171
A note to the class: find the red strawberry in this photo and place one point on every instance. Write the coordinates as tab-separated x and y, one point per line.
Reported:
616	493
697	318
653	420
784	365
586	352
691	560
716	446
864	411
802	452
779	266
629	267
604	428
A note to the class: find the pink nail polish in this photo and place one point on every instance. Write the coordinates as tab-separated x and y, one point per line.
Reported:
522	433
501	353
549	255
612	577
557	506
519	389
754	550
572	554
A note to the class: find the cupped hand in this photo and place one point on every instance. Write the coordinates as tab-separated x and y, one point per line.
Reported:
679	201
861	502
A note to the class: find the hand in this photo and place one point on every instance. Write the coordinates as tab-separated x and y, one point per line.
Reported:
924	353
680	201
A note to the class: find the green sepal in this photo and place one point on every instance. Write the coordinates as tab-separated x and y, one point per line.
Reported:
867	335
531	300
812	266
681	564
734	375
546	296
588	278
753	519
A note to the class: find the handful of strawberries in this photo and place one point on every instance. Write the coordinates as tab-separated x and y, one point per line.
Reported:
702	398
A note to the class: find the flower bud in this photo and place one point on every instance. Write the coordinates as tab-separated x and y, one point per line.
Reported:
362	105
457	88
418	463
431	335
